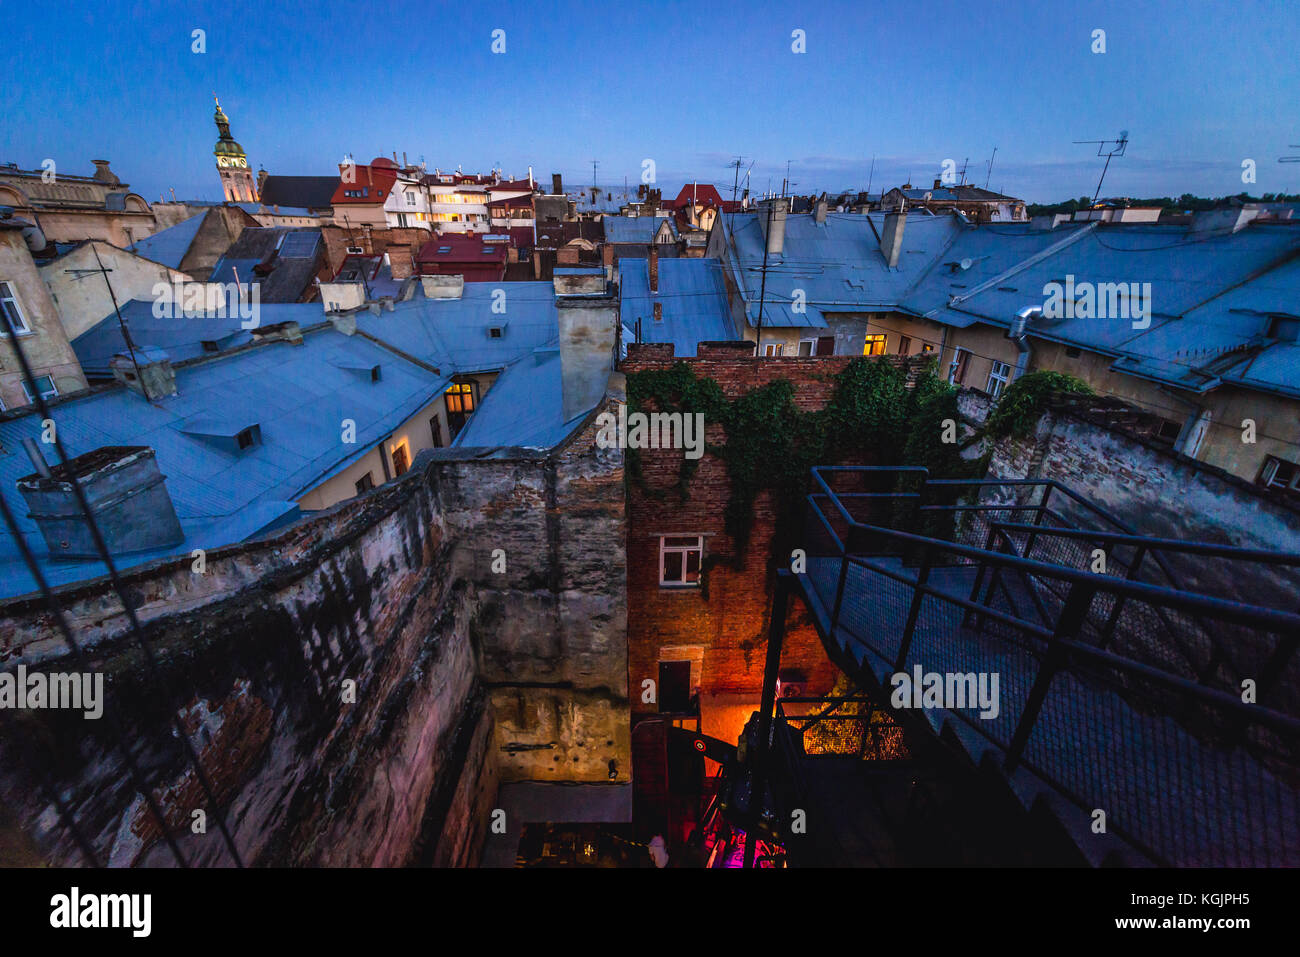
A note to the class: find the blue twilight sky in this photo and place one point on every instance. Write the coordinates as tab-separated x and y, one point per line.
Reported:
1200	87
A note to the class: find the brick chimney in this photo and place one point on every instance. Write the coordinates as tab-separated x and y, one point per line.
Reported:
607	254
938	183
557	184
654	269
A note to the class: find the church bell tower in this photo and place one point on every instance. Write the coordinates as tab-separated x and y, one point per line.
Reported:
232	163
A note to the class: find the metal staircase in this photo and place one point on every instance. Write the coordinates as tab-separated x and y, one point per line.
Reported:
1125	665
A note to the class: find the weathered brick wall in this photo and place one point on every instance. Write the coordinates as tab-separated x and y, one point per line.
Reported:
731	621
395	591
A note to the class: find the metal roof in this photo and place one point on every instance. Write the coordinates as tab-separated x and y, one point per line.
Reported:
693	298
169	246
635	229
837	264
298	396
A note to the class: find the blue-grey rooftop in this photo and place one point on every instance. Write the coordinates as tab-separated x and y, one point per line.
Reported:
298	396
693	297
837	264
169	246
635	229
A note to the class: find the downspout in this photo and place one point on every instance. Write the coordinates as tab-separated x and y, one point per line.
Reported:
1018	335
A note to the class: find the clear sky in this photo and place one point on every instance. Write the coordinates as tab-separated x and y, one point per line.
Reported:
1199	86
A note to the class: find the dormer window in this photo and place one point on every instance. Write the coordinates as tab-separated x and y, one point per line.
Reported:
247	438
1284	328
495	332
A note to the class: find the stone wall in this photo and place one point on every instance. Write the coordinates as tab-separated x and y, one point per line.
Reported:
395	591
1163	494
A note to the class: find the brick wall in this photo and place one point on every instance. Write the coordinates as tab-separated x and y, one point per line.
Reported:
730	624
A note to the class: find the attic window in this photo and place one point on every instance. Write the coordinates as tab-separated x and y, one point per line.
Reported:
1007	289
376	373
495	332
247	438
442	250
211	345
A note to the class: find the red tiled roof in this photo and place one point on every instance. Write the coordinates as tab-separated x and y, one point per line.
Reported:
704	194
457	248
374	182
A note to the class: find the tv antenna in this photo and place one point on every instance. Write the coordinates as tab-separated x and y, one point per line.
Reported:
989	165
1290	159
1116	148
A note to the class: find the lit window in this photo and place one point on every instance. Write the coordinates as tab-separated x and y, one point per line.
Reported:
401	457
998	377
773	349
874	345
9	305
680	557
459	398
44	385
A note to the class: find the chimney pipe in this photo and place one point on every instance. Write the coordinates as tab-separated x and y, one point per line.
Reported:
38	458
891	238
654	269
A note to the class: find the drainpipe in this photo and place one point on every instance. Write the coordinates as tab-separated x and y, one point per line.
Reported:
1018	335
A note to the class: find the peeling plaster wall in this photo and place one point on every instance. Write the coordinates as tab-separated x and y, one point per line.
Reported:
395	591
1163	494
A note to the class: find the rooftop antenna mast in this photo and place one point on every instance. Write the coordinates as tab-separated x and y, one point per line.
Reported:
1116	148
1290	159
871	175
735	164
594	190
989	174
964	163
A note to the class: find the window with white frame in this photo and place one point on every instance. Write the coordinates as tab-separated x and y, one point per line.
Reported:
773	348
9	304
1280	474
807	347
44	385
998	377
680	558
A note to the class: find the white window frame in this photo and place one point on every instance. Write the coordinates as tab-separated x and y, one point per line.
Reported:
1268	478
772	349
999	373
52	393
9	295
679	553
812	347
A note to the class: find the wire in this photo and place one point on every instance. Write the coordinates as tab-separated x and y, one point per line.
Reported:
102	548
79	658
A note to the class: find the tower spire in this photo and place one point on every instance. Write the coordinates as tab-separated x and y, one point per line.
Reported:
232	163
